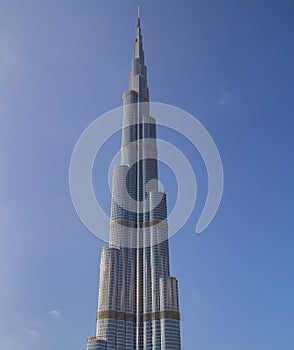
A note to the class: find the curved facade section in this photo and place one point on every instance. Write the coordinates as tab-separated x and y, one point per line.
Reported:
94	343
169	308
109	268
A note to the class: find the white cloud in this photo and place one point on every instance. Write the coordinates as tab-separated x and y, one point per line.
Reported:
7	56
225	94
55	314
9	59
13	67
31	332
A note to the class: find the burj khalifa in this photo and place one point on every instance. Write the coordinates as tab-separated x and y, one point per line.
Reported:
138	304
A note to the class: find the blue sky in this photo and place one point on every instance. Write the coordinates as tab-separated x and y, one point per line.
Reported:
230	63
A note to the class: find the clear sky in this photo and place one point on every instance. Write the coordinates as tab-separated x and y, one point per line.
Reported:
230	63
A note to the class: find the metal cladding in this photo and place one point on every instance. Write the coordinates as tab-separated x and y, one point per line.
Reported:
138	305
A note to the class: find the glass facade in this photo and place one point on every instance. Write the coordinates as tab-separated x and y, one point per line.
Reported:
94	343
138	305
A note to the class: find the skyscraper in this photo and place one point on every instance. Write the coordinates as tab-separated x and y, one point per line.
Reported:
138	304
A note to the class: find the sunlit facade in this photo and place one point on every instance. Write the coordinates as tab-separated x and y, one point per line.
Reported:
138	306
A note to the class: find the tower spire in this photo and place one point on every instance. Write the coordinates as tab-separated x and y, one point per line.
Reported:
138	76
